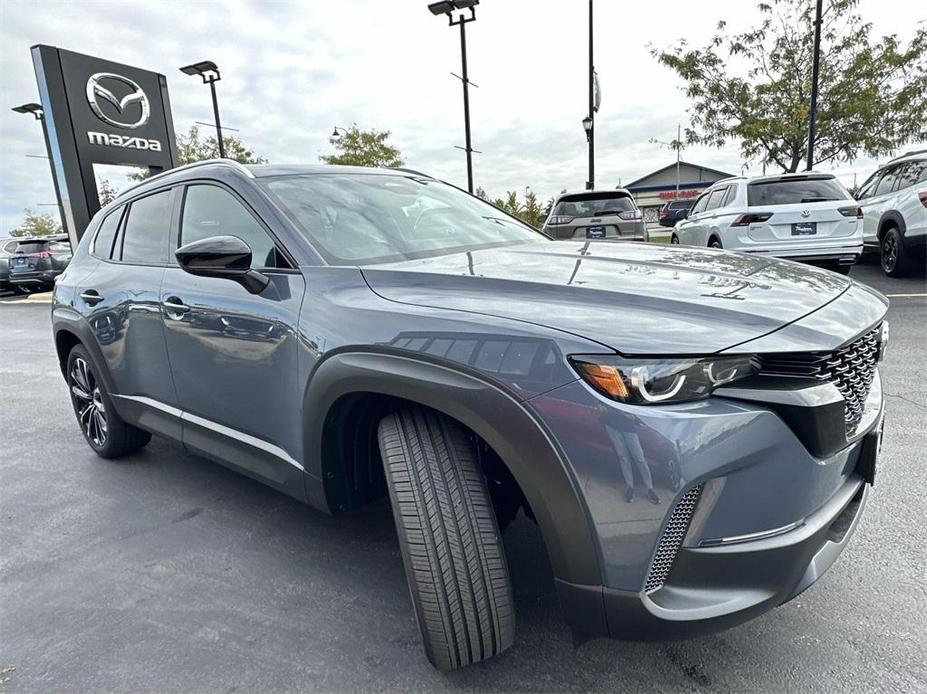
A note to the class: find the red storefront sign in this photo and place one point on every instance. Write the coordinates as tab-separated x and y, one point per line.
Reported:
671	194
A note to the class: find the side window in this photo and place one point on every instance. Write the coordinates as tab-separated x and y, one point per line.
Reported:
729	198
714	200
887	184
911	173
213	211
699	205
103	243
11	246
144	237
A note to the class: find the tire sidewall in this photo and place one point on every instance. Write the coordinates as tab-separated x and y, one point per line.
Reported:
78	352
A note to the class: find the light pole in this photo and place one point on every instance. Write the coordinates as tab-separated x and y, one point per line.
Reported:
336	134
39	115
209	73
589	120
815	69
447	7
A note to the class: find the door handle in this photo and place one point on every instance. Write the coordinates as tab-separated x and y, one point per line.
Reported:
91	296
174	307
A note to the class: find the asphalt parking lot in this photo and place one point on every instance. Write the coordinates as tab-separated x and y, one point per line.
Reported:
165	572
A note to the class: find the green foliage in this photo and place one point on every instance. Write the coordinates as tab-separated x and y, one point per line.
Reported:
37	225
357	147
872	94
193	147
531	212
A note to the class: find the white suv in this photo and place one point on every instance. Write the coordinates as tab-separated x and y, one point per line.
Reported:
894	203
802	216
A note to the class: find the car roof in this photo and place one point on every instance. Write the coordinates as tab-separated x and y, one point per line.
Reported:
180	173
597	191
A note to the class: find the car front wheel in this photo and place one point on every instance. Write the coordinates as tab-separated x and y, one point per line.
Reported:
450	541
895	260
106	432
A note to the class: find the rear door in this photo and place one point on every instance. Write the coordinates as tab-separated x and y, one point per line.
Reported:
805	210
912	180
120	301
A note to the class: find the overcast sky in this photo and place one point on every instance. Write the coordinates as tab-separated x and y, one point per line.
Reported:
292	70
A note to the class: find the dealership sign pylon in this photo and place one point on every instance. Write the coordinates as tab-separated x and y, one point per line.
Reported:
99	112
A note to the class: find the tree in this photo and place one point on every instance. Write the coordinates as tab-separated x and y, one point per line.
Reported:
193	147
872	98
37	225
105	192
363	148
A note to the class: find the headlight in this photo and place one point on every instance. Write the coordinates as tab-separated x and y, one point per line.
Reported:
654	381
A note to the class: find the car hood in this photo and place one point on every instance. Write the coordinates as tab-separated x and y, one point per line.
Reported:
633	298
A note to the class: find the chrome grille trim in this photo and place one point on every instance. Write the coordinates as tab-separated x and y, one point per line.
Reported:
851	369
671	539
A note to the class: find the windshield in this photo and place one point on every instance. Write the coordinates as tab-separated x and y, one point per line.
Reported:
793	191
592	204
360	219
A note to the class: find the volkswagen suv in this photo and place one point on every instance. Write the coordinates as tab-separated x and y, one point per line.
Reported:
695	432
803	216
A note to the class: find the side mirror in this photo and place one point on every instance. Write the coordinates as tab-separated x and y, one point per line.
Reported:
222	256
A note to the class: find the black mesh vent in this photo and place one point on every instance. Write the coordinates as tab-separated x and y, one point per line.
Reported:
671	540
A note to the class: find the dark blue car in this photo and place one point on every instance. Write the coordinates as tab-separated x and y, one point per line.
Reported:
692	430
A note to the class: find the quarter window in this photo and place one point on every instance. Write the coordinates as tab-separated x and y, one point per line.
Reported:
103	243
212	211
144	239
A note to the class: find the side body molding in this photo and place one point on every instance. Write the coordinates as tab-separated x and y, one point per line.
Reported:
495	414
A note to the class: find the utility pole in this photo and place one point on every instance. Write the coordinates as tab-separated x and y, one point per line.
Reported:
678	150
590	133
815	69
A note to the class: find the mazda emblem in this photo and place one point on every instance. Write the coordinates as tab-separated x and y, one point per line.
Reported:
97	91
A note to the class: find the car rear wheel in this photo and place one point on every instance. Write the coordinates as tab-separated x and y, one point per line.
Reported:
106	432
714	243
896	262
451	545
674	239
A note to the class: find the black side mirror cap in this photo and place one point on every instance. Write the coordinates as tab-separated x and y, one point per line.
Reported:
222	256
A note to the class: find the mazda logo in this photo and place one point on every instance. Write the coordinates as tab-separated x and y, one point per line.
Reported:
806	213
97	92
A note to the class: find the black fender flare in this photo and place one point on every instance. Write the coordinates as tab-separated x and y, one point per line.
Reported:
496	415
891	216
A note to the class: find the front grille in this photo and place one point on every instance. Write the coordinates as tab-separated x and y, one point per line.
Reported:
671	539
850	368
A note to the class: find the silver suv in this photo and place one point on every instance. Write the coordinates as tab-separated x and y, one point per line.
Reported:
894	204
597	214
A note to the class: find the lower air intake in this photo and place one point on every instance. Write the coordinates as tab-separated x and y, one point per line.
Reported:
671	540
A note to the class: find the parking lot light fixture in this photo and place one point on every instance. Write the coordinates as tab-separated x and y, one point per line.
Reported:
209	72
449	8
34	109
338	131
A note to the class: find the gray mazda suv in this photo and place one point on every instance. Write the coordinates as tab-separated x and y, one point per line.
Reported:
695	432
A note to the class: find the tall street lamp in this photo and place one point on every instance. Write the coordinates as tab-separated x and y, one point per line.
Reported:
589	120
38	114
815	69
338	131
209	73
447	7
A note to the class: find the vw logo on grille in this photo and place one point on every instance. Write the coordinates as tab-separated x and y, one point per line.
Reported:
97	91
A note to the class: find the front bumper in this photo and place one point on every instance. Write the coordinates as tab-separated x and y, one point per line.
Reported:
714	588
771	517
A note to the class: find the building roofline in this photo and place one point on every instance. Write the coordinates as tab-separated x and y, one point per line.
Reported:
721	174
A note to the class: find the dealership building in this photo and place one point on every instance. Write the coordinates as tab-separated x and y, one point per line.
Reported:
654	189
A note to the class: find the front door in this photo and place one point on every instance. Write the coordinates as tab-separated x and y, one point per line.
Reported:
233	353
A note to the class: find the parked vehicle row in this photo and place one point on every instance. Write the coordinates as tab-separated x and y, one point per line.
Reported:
344	334
675	211
32	264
